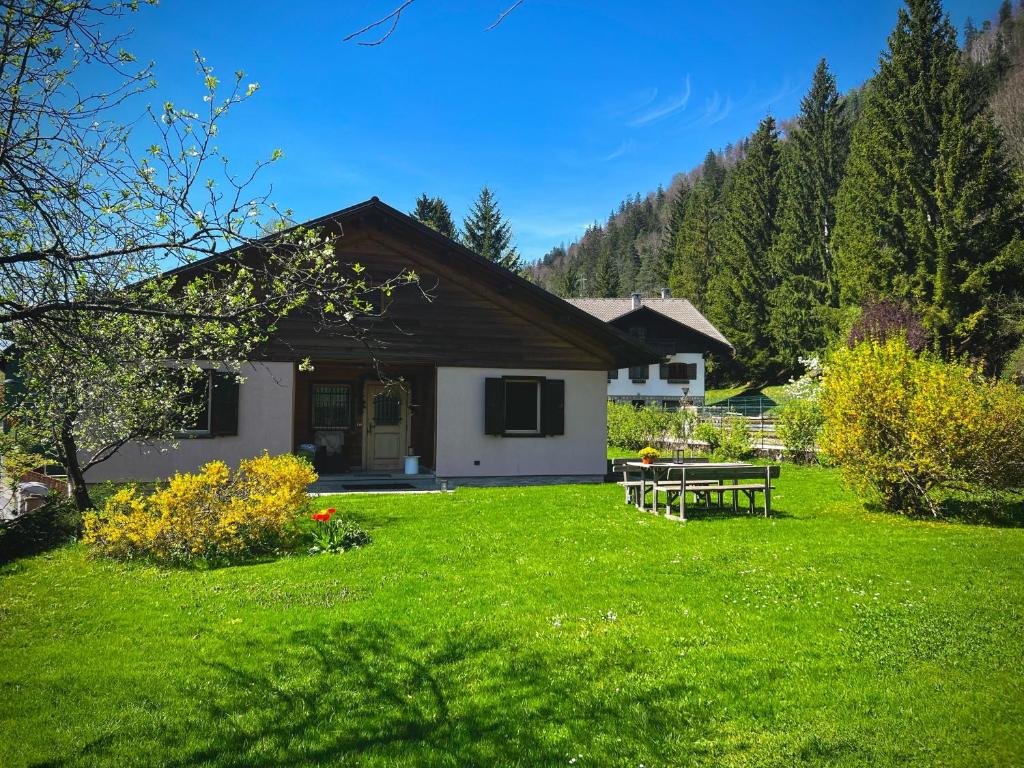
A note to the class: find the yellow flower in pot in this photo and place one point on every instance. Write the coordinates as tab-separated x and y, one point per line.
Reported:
648	455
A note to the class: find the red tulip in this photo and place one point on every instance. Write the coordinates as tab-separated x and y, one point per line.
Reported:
322	517
331	511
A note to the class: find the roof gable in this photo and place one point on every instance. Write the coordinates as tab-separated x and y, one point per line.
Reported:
482	297
680	311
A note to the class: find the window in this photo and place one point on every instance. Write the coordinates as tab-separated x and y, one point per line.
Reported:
195	406
613	374
387	410
670	405
332	406
638	332
678	372
524	407
210	407
638	373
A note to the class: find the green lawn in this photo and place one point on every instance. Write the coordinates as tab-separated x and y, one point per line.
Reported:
533	627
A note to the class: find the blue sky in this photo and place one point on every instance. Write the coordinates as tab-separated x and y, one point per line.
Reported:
563	110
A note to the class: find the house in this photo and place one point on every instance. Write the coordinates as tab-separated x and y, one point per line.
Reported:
489	376
673	327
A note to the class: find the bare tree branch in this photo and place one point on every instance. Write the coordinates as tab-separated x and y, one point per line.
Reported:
503	14
396	15
393	17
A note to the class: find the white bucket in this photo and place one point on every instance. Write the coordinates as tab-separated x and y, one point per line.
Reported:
412	465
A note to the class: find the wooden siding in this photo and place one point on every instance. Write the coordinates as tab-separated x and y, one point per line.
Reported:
468	320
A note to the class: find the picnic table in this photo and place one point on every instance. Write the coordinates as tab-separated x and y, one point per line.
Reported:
704	480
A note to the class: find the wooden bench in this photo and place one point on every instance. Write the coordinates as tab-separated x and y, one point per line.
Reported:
705	482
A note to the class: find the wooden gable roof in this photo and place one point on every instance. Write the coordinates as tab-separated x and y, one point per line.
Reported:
477	313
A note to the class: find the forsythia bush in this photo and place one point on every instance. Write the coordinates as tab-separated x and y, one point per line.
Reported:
214	516
904	425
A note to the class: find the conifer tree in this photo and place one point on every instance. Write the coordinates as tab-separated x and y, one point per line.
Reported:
606	280
695	246
488	233
801	258
435	213
743	279
927	206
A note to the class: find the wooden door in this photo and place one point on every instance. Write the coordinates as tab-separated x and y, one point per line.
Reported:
386	433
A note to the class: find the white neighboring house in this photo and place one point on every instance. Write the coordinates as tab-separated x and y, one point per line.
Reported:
673	327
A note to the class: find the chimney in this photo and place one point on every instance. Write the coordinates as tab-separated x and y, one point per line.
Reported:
666	293
636	300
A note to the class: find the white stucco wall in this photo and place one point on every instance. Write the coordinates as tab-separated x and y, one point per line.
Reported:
265	408
460	428
658	387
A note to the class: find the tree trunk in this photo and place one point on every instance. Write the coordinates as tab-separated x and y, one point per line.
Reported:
79	491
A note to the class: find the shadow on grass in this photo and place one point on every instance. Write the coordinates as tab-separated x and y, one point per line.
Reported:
376	693
1000	510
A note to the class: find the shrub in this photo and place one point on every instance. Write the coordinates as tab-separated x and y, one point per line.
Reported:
706	432
55	523
730	441
799	418
798	426
735	442
905	426
885	319
633	428
214	516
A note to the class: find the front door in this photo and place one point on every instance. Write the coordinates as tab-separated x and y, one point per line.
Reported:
386	430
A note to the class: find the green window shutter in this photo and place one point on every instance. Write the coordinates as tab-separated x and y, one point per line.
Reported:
224	402
494	406
691	371
552	407
663	371
613	373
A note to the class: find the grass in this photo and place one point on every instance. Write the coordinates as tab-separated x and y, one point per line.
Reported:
534	627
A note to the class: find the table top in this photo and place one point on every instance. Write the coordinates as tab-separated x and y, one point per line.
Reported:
676	464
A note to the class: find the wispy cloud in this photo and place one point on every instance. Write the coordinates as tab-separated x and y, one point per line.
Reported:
784	91
627	146
632	103
716	109
664	109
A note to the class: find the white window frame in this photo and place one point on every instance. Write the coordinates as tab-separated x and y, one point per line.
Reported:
537	383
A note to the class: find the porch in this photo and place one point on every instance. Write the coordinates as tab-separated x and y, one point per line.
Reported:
375	482
359	423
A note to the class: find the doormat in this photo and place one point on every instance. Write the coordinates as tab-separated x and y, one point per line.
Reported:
379	487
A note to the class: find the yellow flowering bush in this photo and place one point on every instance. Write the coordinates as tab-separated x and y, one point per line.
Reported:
213	516
904	425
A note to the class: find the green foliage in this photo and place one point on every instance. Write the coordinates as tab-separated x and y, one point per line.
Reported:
799	419
55	523
905	427
928	205
814	157
488	233
696	239
634	428
333	534
743	279
731	440
435	213
798	425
